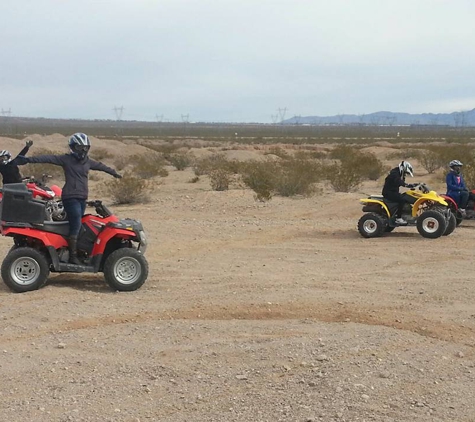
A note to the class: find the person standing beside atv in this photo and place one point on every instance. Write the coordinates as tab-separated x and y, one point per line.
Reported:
76	166
9	168
456	187
394	180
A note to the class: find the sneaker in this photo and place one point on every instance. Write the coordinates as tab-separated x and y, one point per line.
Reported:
400	220
462	210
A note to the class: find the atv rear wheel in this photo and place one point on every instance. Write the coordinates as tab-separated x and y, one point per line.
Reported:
431	224
451	224
125	269
372	225
458	217
25	269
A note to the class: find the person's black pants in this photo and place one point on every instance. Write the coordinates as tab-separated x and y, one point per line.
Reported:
399	198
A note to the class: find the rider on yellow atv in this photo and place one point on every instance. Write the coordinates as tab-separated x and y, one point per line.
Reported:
394	180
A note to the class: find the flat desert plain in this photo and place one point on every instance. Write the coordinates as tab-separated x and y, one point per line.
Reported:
275	311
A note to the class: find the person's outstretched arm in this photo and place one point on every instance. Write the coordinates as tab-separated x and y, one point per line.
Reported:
97	165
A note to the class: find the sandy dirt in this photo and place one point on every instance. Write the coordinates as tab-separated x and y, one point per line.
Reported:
252	311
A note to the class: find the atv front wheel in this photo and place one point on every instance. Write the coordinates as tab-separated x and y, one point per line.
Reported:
25	269
431	224
372	225
125	269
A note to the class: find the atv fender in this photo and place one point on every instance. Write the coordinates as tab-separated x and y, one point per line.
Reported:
434	198
375	201
107	234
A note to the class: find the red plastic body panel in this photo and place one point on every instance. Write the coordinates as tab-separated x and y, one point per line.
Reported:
48	239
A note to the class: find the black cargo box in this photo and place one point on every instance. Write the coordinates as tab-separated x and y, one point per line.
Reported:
18	205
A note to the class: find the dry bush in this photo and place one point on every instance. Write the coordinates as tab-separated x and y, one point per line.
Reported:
128	190
308	155
279	152
179	160
220	179
167	148
297	177
100	154
121	162
430	160
213	162
147	166
260	177
344	176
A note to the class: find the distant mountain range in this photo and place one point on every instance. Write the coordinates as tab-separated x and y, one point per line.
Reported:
388	118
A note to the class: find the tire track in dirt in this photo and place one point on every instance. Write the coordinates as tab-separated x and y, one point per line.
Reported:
328	313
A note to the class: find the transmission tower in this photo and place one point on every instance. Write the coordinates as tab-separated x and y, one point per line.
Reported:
118	112
8	126
274	118
282	112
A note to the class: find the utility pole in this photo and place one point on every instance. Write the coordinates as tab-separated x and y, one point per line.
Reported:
8	126
118	114
159	119
282	114
185	118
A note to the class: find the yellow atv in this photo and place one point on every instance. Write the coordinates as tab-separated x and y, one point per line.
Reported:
424	208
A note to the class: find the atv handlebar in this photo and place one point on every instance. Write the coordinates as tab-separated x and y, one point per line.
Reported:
101	209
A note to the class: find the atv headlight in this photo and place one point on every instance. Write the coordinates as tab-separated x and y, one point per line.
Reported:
143	241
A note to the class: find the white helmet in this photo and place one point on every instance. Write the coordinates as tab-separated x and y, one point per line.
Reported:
406	168
5	157
79	145
454	163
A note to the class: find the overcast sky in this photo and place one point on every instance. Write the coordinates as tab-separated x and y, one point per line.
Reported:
235	60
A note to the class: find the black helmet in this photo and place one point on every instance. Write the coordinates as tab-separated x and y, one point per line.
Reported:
5	157
79	145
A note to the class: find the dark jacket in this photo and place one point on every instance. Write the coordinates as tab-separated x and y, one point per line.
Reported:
455	184
75	172
10	171
393	182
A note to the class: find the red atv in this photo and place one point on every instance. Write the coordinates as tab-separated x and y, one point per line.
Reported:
469	211
106	244
51	195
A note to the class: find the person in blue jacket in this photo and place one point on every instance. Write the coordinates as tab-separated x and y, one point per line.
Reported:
76	166
456	187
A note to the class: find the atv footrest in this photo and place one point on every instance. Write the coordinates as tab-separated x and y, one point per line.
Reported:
65	267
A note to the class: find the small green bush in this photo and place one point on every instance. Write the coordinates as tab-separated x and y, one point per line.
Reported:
430	160
344	176
179	160
128	190
147	166
260	177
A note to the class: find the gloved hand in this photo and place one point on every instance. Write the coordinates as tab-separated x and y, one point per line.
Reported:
411	185
117	176
29	143
21	159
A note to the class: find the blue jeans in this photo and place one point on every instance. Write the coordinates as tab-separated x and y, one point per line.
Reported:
75	210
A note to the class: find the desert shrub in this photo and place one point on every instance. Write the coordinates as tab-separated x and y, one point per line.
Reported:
179	160
342	152
128	190
220	179
100	154
345	176
194	179
430	160
147	166
121	162
167	148
213	162
368	165
297	177
278	151
260	177
308	155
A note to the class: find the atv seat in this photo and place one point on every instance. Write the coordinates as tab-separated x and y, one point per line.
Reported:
377	197
57	227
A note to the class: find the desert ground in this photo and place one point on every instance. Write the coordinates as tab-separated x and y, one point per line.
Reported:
252	311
